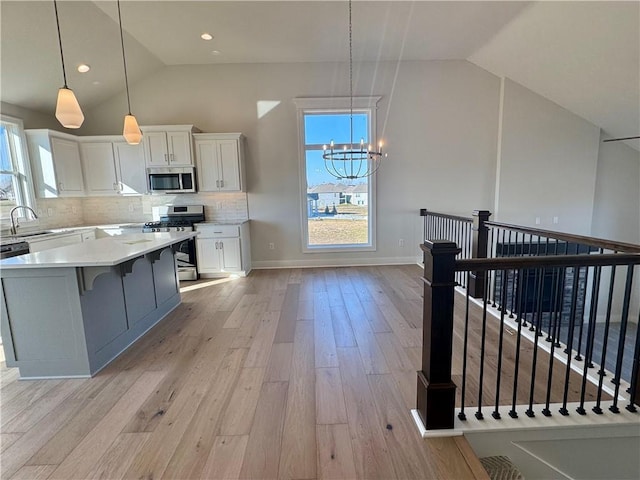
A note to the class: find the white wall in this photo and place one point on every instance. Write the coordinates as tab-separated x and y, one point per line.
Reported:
31	118
438	119
547	165
616	213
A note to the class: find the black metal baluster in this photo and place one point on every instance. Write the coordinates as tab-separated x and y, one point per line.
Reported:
513	413
495	232
572	315
496	412
634	373
605	340
537	315
463	390
502	304
578	357
513	278
590	336
553	328
479	415
539	276
561	292
623	332
554	295
517	281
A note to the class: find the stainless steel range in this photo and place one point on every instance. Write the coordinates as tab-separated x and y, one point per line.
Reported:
179	218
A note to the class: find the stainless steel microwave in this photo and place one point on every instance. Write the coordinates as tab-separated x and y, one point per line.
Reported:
171	179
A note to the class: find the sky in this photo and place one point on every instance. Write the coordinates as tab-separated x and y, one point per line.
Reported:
320	129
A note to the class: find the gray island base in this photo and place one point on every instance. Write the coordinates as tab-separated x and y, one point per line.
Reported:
69	311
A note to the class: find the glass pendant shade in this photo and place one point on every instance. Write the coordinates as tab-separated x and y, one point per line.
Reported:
68	110
131	133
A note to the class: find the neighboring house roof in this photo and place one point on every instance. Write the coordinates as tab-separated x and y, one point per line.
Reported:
338	188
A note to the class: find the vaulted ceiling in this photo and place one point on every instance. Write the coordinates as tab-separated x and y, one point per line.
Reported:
585	56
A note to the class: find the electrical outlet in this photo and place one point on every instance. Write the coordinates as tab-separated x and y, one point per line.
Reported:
131	208
218	205
537	220
556	220
401	242
50	212
272	246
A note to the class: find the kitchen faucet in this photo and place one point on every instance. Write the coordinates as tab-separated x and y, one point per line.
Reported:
14	227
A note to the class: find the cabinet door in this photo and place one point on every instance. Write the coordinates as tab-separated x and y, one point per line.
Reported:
132	175
230	254
179	149
207	164
99	168
66	156
155	149
229	165
208	255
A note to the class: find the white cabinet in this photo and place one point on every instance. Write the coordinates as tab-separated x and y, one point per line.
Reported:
168	145
112	166
130	169
56	165
223	249
220	162
99	168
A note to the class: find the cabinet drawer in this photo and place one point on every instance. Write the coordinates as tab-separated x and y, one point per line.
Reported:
218	231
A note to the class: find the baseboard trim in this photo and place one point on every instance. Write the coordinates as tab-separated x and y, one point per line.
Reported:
347	262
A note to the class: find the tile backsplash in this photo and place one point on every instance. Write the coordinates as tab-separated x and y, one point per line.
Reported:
73	212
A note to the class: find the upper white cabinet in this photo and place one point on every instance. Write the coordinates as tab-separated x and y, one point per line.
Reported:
168	145
112	166
56	165
220	162
99	168
130	168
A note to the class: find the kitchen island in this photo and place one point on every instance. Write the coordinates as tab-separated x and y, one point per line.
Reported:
69	311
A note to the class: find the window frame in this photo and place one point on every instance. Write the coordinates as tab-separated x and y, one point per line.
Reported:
335	105
22	169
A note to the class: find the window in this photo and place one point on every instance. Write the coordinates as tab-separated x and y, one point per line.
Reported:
337	214
15	174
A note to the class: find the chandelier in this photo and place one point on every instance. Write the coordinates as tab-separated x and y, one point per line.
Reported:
352	160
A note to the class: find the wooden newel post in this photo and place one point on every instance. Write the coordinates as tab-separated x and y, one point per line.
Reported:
436	391
479	248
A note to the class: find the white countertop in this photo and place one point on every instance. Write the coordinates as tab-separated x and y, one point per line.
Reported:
100	252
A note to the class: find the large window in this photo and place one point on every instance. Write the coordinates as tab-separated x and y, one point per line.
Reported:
337	214
15	174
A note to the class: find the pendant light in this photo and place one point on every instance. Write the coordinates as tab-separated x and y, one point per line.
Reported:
68	110
352	161
131	132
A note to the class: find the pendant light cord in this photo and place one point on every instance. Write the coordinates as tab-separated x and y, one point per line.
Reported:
124	60
64	73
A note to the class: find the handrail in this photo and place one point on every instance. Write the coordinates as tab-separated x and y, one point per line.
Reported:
569	237
424	212
515	263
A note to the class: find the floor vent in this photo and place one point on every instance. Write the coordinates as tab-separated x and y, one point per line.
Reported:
501	468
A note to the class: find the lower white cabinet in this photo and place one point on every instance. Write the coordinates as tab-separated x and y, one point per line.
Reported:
223	249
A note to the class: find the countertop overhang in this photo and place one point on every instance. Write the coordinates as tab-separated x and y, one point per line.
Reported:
100	252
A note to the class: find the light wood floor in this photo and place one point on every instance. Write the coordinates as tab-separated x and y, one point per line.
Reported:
296	374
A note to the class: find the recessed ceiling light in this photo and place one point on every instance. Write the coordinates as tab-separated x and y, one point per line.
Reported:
206	36
96	82
216	52
83	68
